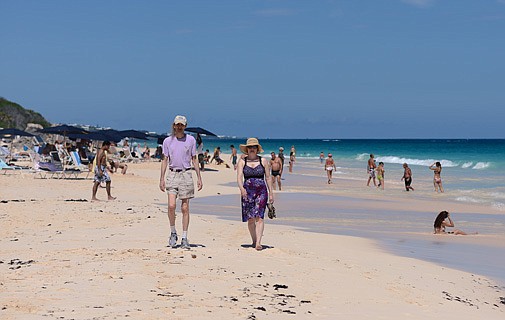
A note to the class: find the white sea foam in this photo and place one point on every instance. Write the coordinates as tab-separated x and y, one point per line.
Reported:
498	195
481	165
416	162
363	156
424	162
466	165
469	199
498	205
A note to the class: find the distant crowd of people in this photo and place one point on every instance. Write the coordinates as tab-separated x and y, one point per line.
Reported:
257	178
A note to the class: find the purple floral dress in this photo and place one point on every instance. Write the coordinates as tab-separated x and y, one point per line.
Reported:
257	193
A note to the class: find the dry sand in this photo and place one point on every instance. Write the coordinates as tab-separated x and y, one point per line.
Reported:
64	257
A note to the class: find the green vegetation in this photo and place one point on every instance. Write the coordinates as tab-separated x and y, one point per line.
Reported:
12	115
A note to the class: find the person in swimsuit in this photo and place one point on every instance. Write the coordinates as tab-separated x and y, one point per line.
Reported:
281	155
437	179
255	184
407	176
380	175
440	224
217	156
233	157
370	169
276	165
101	174
321	157
292	158
329	166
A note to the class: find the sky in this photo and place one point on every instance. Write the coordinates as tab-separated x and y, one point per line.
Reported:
264	68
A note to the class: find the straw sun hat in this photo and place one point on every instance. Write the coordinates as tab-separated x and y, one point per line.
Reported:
251	142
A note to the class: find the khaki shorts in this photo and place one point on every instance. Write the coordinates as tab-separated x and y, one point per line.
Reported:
181	184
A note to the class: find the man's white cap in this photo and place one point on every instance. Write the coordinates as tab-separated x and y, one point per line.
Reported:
180	119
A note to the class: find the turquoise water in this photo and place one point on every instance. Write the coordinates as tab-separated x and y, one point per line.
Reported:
473	170
467	154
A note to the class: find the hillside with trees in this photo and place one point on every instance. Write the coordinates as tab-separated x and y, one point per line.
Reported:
12	115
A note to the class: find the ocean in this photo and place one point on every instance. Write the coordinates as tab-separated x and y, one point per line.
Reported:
473	170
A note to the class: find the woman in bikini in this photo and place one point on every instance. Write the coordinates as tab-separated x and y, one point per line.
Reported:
255	184
437	180
329	166
440	224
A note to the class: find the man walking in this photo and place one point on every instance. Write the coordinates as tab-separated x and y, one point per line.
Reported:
276	166
101	174
370	168
233	157
179	151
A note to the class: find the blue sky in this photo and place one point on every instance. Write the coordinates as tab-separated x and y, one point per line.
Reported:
272	68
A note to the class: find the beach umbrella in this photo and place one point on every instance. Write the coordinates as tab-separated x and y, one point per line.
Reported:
63	130
135	134
161	138
96	136
200	131
9	132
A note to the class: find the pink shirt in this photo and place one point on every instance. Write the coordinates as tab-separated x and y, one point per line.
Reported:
179	151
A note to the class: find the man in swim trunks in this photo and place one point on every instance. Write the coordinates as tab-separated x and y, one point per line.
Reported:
101	174
276	165
407	176
370	169
281	155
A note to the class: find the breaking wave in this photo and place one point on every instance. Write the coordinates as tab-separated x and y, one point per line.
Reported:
424	162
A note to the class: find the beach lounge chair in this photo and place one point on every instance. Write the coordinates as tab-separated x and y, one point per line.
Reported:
54	169
50	169
128	157
77	164
5	168
4	153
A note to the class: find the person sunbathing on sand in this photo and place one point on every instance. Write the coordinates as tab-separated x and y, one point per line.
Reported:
440	224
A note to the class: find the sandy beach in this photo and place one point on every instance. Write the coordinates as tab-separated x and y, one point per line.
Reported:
64	257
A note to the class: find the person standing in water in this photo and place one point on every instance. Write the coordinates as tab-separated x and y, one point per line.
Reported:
407	177
370	168
380	175
437	179
292	158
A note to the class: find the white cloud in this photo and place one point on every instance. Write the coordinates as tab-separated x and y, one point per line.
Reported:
419	3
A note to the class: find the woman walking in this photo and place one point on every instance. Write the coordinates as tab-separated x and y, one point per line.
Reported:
255	184
329	166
